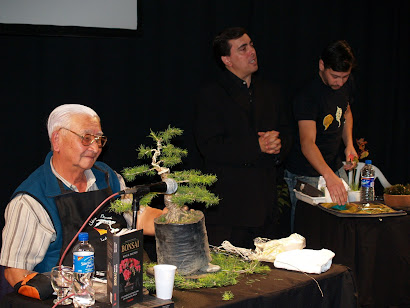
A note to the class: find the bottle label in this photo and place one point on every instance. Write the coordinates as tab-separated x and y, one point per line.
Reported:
83	262
367	182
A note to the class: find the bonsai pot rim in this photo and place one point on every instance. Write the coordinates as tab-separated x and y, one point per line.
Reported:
400	202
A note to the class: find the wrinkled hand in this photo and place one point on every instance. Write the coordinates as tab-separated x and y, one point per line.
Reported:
270	142
336	189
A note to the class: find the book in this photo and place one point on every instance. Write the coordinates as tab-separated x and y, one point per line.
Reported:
124	267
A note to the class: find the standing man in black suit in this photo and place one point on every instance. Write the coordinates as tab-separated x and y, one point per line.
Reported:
240	129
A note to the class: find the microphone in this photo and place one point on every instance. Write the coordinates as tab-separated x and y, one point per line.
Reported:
168	186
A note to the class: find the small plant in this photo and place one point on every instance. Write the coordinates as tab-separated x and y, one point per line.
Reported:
363	153
191	183
398	189
227	296
283	196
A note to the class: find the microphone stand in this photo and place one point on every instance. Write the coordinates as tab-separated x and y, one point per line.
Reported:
136	197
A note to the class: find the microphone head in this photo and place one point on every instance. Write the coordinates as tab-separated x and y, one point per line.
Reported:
172	186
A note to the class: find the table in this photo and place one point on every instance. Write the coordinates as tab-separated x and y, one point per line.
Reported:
376	249
278	288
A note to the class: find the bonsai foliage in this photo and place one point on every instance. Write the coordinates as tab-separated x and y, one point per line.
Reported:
398	189
192	184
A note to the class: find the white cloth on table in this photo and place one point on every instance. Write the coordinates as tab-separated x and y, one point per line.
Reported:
305	260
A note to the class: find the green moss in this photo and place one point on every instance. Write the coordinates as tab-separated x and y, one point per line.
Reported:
227	296
232	270
398	189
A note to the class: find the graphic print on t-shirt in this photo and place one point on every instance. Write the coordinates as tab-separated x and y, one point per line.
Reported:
327	121
338	114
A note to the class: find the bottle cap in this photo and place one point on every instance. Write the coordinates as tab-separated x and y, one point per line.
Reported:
368	162
83	236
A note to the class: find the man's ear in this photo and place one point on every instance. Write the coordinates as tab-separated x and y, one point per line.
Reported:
55	140
321	65
226	60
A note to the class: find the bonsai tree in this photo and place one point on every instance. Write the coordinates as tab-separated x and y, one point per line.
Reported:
181	237
191	183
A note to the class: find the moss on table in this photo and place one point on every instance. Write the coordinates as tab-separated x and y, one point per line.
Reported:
232	267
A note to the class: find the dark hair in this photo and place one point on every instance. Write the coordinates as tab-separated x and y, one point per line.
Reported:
221	46
338	56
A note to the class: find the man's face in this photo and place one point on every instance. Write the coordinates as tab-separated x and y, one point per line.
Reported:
242	61
71	152
331	78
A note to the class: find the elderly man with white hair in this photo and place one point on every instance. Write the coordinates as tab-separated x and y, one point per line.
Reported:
50	206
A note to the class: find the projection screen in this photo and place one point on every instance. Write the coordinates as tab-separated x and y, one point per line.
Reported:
69	17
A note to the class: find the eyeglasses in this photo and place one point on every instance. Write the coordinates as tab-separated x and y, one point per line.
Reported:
88	139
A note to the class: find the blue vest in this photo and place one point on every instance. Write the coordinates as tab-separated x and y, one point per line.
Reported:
43	186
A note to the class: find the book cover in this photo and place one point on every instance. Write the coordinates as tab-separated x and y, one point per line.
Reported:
124	267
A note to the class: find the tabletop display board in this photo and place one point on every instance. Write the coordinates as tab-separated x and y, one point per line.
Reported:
359	209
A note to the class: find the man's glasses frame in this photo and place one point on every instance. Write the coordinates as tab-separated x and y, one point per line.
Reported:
88	139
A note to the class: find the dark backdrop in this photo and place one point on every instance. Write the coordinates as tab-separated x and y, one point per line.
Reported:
150	81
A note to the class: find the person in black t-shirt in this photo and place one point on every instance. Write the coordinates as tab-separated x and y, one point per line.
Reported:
324	118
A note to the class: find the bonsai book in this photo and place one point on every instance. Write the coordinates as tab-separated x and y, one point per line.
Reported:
124	267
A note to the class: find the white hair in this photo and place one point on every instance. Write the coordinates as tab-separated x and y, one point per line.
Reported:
61	116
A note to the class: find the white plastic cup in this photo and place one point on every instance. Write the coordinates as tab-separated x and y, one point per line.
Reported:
164	280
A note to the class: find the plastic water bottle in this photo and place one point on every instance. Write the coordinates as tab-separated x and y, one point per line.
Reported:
83	266
367	182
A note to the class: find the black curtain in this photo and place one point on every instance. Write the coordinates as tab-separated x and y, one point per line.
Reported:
150	81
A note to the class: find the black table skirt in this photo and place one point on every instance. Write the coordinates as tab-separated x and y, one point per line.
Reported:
278	288
376	249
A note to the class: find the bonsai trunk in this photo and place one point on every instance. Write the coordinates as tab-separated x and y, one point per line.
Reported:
174	212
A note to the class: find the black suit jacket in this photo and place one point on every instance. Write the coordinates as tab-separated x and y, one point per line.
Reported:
226	132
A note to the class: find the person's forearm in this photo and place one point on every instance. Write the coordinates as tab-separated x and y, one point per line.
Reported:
315	158
307	131
347	133
334	184
14	275
146	220
347	136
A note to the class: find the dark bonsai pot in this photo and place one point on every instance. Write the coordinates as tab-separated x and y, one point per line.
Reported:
183	245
